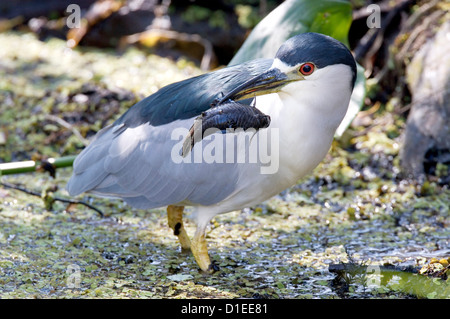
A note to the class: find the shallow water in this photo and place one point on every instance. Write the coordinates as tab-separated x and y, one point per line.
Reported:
354	208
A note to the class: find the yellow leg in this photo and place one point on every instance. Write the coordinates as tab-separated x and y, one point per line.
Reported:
175	217
198	245
200	251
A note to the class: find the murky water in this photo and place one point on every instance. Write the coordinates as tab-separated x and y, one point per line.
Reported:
353	209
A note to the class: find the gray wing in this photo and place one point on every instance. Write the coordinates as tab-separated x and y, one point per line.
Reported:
137	165
185	99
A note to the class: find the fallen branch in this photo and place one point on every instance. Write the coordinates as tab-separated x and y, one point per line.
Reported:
53	199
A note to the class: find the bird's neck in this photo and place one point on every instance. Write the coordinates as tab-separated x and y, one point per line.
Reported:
305	130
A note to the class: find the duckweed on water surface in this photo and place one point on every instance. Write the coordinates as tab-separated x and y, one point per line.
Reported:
354	209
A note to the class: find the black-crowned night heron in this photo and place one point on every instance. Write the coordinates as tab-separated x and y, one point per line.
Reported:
305	90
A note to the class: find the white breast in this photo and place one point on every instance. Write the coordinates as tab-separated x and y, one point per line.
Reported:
304	117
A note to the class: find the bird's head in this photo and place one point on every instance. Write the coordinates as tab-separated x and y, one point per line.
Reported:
305	61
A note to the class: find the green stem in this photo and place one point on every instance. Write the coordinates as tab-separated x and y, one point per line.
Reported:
33	166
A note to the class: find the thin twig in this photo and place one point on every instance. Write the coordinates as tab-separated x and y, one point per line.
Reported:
67	125
69	201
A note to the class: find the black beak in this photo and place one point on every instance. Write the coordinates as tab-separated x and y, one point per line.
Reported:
268	82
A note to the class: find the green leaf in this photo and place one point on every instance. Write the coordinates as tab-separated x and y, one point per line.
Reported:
330	17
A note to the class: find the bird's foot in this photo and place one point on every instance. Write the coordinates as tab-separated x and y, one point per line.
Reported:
200	251
211	269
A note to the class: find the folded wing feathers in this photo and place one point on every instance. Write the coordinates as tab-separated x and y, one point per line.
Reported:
131	158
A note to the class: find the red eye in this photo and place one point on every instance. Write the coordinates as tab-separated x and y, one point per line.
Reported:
307	68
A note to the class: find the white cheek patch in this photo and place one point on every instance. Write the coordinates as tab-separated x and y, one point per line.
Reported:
331	80
336	74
